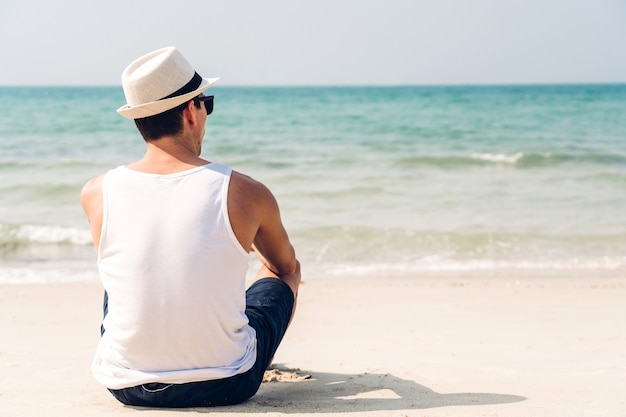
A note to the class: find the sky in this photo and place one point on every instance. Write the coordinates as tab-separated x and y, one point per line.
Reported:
319	42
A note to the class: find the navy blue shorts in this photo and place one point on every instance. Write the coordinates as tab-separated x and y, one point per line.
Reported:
269	304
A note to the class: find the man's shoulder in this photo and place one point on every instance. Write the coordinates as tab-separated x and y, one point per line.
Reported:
250	203
246	188
247	182
93	185
91	195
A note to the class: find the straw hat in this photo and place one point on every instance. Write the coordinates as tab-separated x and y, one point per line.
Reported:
159	81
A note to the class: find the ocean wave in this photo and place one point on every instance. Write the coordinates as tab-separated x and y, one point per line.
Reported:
498	158
436	265
45	234
17	165
365	250
433	266
62	192
516	160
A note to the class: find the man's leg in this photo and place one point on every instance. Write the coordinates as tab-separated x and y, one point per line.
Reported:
293	280
270	305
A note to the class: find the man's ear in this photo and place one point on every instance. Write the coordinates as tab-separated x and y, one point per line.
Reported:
189	113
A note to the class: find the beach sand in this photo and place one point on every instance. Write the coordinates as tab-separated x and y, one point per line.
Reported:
402	347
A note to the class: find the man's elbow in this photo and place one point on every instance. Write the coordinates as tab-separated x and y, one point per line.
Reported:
290	267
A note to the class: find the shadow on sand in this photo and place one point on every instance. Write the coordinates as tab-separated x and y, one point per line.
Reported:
340	393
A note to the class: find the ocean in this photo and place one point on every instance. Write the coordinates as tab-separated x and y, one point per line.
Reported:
512	182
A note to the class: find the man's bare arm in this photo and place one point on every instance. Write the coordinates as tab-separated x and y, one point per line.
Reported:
255	218
91	200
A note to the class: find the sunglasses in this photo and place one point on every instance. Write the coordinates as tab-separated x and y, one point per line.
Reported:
208	103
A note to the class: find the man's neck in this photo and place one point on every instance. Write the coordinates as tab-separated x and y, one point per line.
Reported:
168	155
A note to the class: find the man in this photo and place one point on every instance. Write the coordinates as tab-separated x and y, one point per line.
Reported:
173	234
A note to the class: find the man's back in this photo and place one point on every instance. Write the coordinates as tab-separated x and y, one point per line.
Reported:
174	273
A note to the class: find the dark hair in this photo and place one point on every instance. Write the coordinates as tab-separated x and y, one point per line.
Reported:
168	123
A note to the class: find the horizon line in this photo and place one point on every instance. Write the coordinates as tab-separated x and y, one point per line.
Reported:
495	84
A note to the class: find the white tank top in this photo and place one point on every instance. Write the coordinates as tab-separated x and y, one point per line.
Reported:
175	275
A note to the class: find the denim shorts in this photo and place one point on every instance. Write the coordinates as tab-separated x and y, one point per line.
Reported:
269	304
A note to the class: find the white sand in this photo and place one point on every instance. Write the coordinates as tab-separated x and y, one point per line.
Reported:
421	347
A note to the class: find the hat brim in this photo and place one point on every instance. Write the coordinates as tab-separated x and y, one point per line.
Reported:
155	107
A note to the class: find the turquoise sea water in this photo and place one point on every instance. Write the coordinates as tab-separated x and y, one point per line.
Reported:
507	181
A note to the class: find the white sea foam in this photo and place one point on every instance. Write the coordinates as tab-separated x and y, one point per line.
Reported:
498	158
31	233
436	264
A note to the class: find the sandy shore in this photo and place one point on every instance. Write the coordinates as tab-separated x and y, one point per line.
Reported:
422	347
